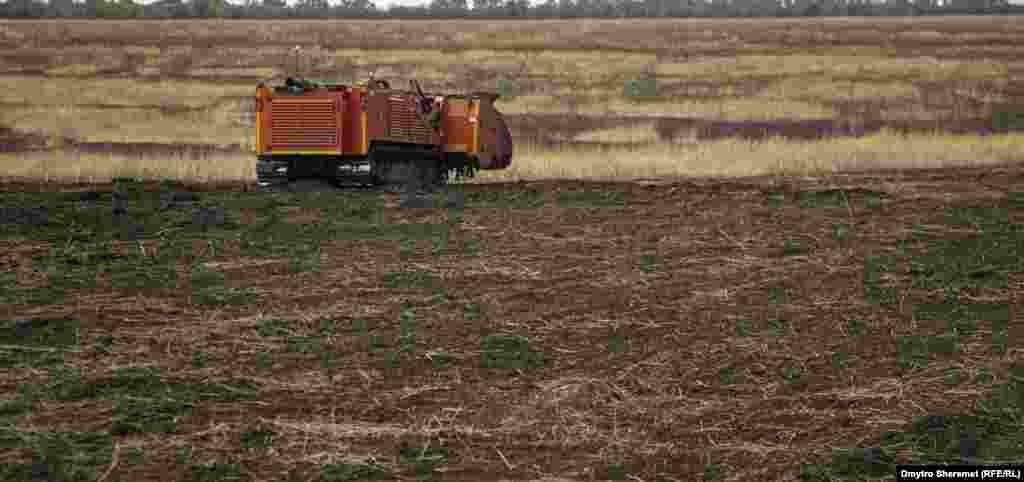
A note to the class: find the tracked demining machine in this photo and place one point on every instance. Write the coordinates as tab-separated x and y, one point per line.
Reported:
374	135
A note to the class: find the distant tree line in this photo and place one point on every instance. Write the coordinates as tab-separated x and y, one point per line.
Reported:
499	8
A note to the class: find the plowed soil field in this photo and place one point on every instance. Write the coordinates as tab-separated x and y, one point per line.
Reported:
691	329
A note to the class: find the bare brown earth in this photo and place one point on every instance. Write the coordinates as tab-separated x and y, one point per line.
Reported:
636	310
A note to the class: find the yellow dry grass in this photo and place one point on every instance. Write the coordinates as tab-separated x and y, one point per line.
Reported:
955	29
89	167
450	65
736	157
74	70
726	157
119	91
837	67
640	133
711	68
731	109
259	72
725	109
837	90
219	126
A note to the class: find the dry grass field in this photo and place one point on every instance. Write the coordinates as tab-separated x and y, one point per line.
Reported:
794	291
725	95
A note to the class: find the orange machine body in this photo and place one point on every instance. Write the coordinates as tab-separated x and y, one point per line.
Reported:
346	123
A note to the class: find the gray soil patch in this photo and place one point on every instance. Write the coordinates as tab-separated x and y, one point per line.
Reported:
88	199
415	201
205	216
120	205
455	200
171	200
26	216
